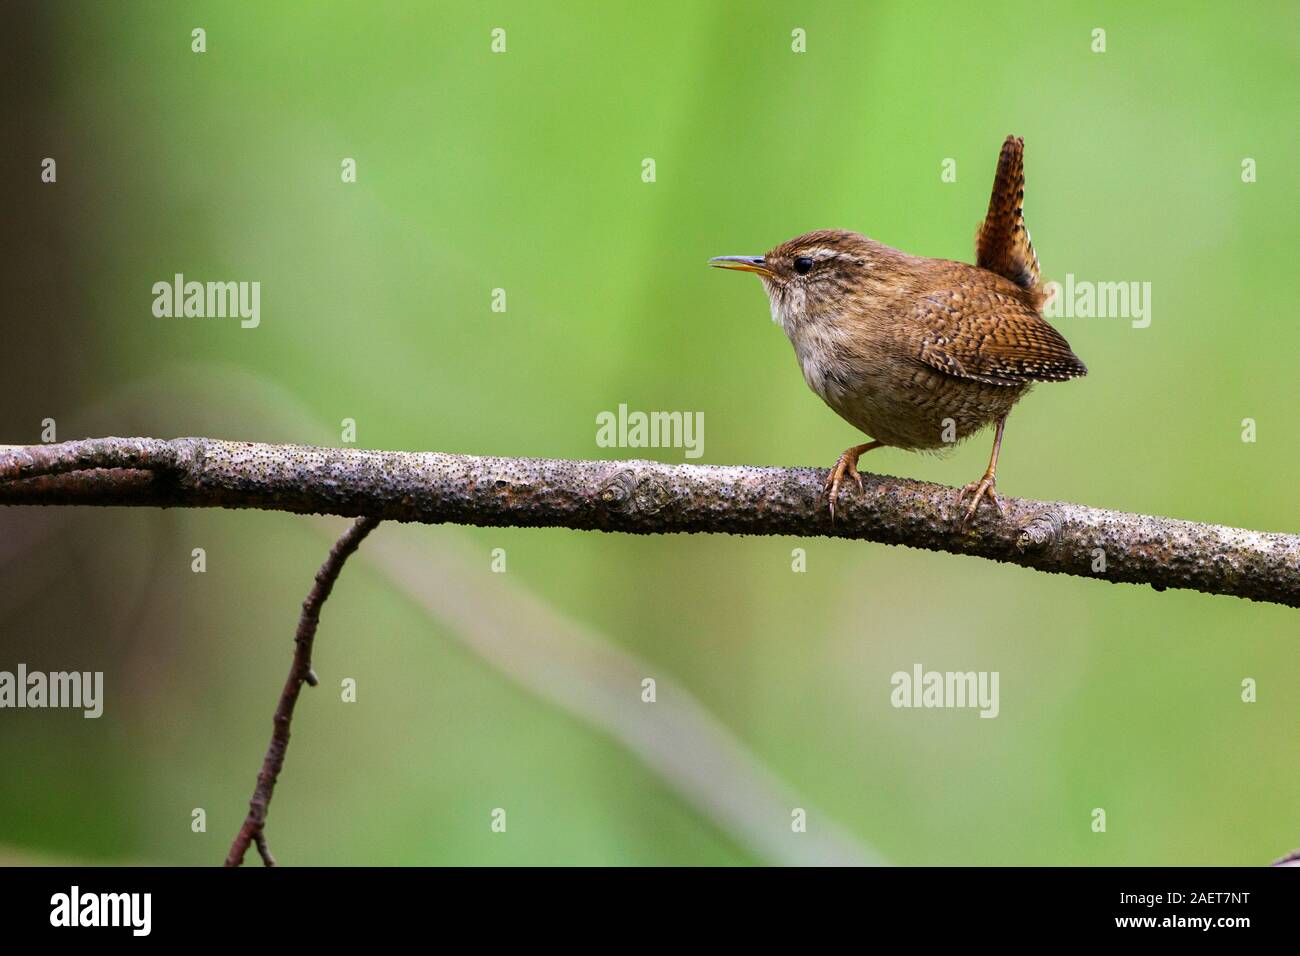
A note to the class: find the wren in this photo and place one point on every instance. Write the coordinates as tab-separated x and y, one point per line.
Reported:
919	353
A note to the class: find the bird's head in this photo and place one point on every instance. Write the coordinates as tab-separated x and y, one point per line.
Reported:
816	273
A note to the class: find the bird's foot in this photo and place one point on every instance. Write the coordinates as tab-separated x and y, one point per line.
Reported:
846	464
978	490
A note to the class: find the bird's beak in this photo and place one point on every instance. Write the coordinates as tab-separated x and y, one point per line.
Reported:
743	264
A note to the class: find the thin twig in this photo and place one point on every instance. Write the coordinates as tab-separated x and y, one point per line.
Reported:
642	497
259	838
253	830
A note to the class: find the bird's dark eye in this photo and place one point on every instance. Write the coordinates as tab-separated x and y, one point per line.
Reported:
803	265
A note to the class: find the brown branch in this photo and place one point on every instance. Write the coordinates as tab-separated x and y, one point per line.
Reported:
300	672
643	497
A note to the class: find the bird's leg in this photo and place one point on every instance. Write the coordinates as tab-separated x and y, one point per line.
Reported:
984	487
847	463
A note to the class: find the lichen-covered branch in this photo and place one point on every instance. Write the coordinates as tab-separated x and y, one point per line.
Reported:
641	497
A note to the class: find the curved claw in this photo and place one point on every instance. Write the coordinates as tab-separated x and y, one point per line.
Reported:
833	479
981	489
847	463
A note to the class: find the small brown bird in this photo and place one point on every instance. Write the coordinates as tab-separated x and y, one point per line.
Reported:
918	353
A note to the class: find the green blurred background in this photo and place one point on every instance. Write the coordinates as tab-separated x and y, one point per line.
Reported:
522	170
